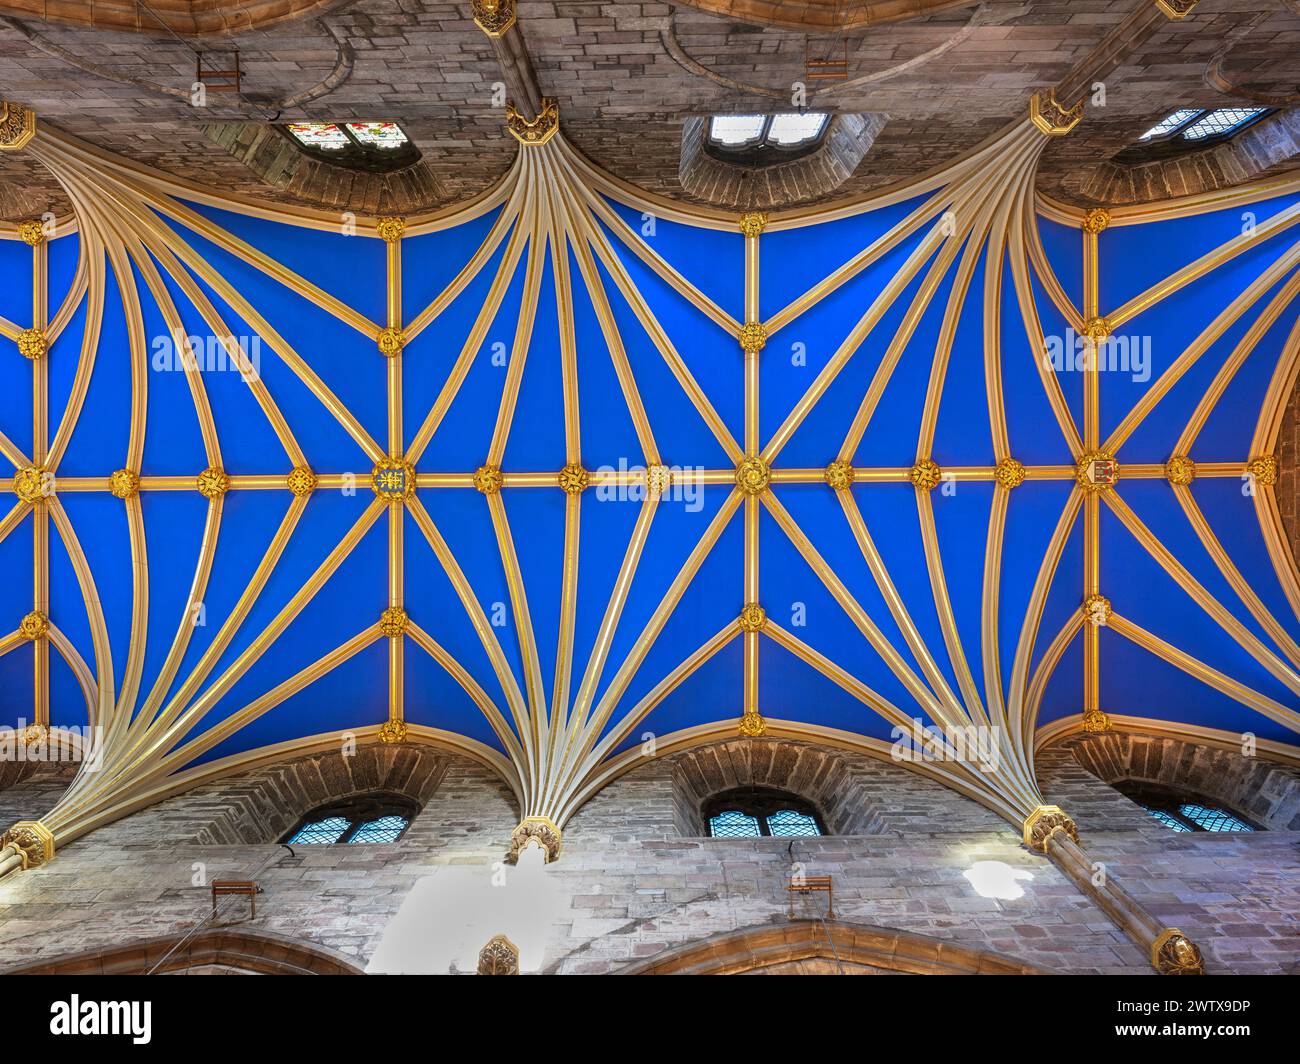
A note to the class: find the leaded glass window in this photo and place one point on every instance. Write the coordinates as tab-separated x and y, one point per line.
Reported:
1182	812
367	818
1171	822
733	824
1189	128
759	812
789	823
1210	818
758	140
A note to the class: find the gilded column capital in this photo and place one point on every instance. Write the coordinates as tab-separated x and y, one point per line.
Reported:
499	957
752	725
301	480
31	232
393	479
391	228
840	475
1095	721
33	841
753	618
124	483
925	475
30	484
753	223
1173	953
1263	468
1176	9
1009	473
33	344
493	17
537	131
212	483
393	621
1096	471
392	731
753	475
34	626
1096	220
1052	117
753	337
1044	822
1180	470
390	341
488	479
542	831
17	126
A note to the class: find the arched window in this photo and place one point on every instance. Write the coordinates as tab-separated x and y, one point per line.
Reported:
759	140
368	818
755	812
377	147
1180	812
1188	129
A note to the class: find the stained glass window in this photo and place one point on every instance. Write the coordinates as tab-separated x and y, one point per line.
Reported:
379	147
757	812
324	135
367	818
383	135
766	138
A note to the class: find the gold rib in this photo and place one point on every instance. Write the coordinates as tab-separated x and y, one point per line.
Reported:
1193	667
1222	617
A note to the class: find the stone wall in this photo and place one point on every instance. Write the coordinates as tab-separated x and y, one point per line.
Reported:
1236	895
635	885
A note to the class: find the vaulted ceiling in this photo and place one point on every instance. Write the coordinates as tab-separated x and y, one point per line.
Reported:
568	474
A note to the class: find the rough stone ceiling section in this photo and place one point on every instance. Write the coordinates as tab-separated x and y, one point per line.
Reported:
626	75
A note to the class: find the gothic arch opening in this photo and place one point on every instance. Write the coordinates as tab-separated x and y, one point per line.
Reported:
219	951
827	947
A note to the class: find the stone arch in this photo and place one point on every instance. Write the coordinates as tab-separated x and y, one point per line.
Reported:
831	947
278	161
260	805
819	775
1266	792
824	16
215	951
189	18
1252	152
781	184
